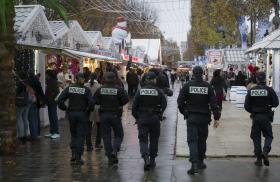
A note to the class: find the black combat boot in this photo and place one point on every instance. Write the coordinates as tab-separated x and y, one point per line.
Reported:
265	159
113	159
194	169
201	165
73	157
152	162
79	160
146	163
258	162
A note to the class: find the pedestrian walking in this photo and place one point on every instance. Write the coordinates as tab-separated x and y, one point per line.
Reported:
132	82
93	85
195	100
231	77
182	78
148	107
259	102
111	98
240	79
219	85
80	104
52	90
252	81
173	78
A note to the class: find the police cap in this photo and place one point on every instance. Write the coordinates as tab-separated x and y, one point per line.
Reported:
197	70
80	75
110	76
261	76
151	75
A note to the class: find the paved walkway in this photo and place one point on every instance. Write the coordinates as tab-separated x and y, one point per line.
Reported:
232	138
48	160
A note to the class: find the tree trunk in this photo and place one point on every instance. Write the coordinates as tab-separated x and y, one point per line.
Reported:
7	84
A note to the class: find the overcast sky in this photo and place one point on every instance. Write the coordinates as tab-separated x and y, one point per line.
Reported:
174	17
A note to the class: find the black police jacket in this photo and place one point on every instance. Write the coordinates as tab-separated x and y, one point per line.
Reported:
111	97
149	99
197	96
260	99
80	98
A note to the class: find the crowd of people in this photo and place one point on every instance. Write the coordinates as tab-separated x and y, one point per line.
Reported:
97	99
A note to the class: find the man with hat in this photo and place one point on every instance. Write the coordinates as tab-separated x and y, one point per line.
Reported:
259	102
111	99
80	104
148	105
195	101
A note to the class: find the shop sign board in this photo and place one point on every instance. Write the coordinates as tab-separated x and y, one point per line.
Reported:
107	53
215	57
134	59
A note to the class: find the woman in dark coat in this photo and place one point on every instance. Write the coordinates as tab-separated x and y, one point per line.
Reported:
52	91
219	85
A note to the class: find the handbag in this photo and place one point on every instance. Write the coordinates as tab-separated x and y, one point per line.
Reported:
22	99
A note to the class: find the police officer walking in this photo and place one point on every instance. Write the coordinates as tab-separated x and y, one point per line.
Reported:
148	106
111	99
195	101
259	101
80	104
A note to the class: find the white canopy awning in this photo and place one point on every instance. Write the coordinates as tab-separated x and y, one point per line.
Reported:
272	41
90	55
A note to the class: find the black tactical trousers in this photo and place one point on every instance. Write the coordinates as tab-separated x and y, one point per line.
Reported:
197	134
88	134
78	123
110	121
261	126
148	135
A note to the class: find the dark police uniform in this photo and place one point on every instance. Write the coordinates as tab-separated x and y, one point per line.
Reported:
149	103
259	101
111	99
195	101
80	103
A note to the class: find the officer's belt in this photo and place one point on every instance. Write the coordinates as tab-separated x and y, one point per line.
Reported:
150	110
77	110
105	109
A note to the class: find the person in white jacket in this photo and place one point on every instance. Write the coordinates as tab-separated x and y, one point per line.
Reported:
94	117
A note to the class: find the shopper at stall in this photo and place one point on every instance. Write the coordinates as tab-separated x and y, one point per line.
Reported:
32	113
52	91
21	110
35	84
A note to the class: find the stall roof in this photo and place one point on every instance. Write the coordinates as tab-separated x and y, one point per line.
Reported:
107	43
94	36
90	55
269	42
235	56
27	16
58	27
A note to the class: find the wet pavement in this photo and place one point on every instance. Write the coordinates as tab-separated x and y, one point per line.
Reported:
48	160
